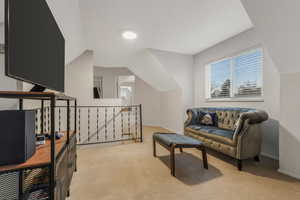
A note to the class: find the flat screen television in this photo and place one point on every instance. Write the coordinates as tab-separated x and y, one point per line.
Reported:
34	44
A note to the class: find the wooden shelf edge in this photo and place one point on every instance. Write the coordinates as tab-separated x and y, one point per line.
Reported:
42	156
34	95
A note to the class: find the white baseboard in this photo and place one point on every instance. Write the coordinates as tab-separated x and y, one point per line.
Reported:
292	174
169	129
269	156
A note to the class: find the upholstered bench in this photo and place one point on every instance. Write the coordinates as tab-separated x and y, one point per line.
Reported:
171	141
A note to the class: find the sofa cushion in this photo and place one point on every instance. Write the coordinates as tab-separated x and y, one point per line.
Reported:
222	132
221	135
210	143
214	130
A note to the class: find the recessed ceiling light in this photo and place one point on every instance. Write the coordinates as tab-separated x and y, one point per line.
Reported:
129	35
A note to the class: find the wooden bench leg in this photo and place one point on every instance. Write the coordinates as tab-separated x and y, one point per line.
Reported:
172	160
181	150
239	165
204	158
154	148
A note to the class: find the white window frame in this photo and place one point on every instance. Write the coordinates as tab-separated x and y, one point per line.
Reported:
232	98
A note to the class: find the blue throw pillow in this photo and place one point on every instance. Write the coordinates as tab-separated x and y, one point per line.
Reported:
208	118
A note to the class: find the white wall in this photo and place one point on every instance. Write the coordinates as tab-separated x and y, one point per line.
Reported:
6	83
175	102
180	67
110	75
271	81
79	81
160	108
171	110
289	125
2	11
150	100
79	78
277	23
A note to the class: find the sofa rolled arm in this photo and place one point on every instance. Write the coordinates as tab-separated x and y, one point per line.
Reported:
254	117
248	118
192	117
249	141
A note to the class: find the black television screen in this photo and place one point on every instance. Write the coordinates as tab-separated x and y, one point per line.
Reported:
34	44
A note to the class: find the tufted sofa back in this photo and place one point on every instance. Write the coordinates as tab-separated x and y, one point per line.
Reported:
227	117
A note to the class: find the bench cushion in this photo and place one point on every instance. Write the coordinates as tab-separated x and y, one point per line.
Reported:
173	138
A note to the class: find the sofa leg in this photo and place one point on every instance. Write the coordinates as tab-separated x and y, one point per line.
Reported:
239	165
256	158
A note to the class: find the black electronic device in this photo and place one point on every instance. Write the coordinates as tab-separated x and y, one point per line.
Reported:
34	45
17	136
40	140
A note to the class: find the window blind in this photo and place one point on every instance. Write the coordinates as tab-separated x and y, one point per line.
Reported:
236	77
248	74
221	79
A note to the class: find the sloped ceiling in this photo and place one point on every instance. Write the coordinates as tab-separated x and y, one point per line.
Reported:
277	22
146	66
186	27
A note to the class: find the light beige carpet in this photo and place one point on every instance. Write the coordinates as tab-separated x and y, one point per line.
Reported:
130	172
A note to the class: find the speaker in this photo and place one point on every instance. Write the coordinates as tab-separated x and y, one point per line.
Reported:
17	136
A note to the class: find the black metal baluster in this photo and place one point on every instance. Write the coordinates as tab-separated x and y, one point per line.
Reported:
75	116
105	124
59	119
136	128
44	120
114	123
68	121
48	119
79	128
88	124
42	116
141	123
97	124
53	154
122	122
21	104
129	131
21	184
36	121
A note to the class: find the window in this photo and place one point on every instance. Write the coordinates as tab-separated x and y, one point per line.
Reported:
237	77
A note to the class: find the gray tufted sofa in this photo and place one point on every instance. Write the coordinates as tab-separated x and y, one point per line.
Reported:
236	131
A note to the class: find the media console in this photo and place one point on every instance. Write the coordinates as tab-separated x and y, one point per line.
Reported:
48	173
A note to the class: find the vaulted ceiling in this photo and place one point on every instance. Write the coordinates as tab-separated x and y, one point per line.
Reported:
183	26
